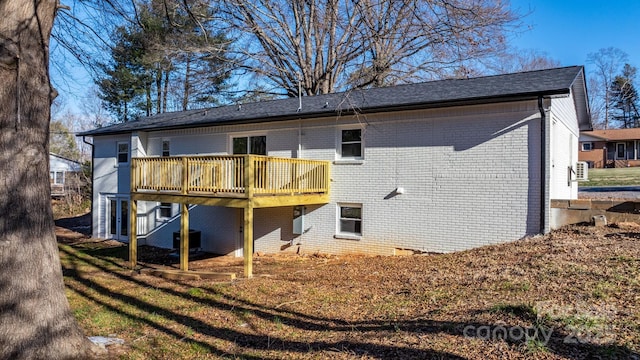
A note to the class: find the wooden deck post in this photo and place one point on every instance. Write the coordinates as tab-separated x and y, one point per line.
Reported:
249	183
248	241
184	237
133	216
133	234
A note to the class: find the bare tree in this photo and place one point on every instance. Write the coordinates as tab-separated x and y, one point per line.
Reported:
34	311
516	60
606	64
330	45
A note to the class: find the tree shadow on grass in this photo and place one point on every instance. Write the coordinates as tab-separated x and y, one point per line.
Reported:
252	345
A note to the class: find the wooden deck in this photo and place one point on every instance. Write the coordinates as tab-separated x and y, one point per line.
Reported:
232	181
239	181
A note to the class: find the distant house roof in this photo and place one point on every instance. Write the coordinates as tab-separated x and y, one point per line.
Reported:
614	134
433	94
57	162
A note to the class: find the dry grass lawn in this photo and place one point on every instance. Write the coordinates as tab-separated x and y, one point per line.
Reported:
573	294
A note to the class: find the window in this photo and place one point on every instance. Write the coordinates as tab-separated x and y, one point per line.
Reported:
166	146
256	145
587	146
123	153
56	177
165	210
350	219
351	144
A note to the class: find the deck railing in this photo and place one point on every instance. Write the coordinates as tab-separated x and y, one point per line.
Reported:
242	175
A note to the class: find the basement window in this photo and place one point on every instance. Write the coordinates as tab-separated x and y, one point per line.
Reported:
349	221
165	210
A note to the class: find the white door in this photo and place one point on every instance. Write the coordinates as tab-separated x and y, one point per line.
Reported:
118	218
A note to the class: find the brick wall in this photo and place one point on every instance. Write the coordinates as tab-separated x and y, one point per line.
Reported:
596	155
471	177
468	177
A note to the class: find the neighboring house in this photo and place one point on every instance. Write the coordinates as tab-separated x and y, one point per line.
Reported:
610	148
62	174
431	167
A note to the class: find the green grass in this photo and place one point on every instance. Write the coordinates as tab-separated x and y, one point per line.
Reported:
613	177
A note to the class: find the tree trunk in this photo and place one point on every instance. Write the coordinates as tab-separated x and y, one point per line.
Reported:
35	320
158	89
149	106
187	84
166	91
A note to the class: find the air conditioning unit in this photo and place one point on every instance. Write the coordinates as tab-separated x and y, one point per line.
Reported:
582	171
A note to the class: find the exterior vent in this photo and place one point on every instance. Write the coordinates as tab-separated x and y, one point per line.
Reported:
582	169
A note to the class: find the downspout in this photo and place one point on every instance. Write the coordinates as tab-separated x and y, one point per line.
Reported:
93	153
543	164
299	155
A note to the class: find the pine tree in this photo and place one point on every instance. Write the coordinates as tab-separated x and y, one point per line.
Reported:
171	59
624	99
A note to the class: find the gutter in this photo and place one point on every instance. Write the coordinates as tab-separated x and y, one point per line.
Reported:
543	164
93	155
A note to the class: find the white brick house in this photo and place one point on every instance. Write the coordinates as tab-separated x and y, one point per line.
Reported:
436	167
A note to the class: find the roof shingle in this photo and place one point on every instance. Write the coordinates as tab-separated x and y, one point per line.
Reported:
524	85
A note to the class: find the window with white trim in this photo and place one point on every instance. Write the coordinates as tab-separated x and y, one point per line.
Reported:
255	145
587	146
351	144
350	220
166	148
123	153
165	210
56	177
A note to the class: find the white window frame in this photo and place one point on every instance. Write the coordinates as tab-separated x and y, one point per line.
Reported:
340	159
345	234
162	206
349	160
55	179
118	162
587	146
162	151
248	135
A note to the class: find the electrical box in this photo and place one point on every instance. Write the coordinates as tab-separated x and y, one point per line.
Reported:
298	220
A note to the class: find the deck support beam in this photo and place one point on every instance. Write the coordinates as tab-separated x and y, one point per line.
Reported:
133	234
247	250
184	237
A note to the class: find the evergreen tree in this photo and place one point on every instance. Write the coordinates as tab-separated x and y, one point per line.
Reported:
62	142
624	99
124	78
171	59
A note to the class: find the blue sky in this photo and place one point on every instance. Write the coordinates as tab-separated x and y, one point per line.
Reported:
568	30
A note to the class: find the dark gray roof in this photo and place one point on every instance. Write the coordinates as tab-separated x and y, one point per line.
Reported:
507	87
